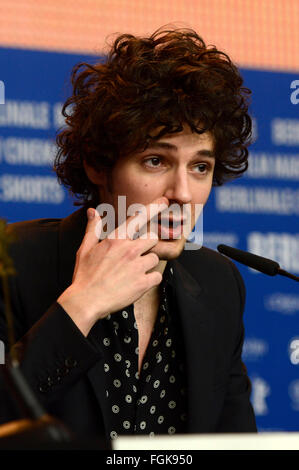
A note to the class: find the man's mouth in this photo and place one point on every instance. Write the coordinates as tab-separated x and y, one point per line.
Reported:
171	220
170	228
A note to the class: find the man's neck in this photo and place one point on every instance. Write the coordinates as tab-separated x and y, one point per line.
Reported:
145	311
146	308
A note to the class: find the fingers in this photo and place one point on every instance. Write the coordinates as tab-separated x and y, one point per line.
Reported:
150	261
128	229
134	223
143	245
92	231
154	279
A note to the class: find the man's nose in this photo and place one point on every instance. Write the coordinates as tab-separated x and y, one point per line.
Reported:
178	187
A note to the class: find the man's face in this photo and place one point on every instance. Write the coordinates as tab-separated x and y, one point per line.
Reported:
177	166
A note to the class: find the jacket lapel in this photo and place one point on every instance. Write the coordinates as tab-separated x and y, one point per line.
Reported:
196	311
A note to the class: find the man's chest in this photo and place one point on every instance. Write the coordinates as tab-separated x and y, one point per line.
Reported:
145	316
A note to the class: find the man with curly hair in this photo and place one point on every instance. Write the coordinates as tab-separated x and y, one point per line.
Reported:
134	334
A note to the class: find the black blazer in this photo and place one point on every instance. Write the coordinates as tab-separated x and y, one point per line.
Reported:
64	368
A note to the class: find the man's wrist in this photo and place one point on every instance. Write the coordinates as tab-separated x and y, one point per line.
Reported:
77	309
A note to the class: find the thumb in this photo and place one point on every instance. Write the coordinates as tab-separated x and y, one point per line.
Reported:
91	213
93	229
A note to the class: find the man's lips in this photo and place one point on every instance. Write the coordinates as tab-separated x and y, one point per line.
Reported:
172	220
170	227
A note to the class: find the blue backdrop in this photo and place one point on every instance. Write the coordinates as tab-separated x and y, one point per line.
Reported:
258	212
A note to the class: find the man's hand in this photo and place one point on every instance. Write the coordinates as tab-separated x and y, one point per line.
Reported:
111	274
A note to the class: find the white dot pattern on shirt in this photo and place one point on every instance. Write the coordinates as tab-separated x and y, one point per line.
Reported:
156	383
157	375
128	399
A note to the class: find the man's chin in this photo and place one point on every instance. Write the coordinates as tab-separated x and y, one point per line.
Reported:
169	249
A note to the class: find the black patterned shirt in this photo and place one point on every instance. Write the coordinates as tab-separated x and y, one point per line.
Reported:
153	402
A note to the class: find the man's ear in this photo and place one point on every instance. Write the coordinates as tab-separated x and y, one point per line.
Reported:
97	177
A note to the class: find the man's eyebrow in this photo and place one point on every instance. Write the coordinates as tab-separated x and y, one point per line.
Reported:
168	146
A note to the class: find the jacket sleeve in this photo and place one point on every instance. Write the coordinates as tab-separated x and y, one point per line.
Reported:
53	355
237	413
52	352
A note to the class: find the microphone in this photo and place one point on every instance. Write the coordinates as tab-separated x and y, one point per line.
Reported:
264	265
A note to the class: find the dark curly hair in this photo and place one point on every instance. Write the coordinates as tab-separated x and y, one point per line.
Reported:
163	81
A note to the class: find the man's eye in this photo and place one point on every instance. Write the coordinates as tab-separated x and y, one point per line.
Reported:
201	167
152	162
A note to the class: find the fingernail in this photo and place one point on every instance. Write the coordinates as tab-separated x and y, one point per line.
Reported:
164	200
90	214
